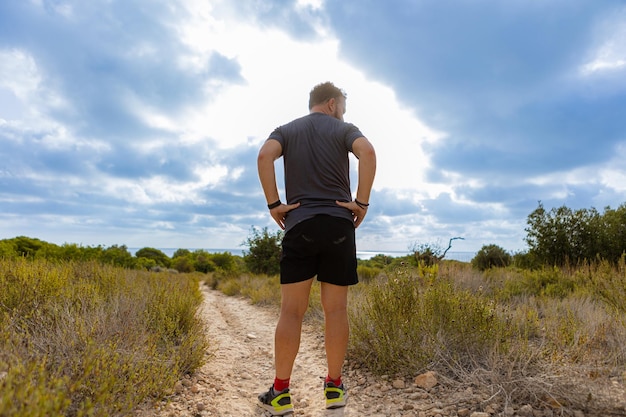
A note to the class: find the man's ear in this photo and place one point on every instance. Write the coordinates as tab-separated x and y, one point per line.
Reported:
332	103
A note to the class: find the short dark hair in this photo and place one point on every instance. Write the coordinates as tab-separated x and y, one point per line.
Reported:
323	92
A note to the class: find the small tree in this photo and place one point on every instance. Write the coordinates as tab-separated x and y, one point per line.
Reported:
202	261
26	246
265	251
224	261
181	252
118	255
159	258
183	263
490	256
8	249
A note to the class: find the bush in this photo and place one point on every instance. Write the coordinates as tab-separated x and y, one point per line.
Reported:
490	256
8	249
262	289
264	252
367	273
608	283
80	338
224	260
377	261
546	282
159	258
203	262
413	319
118	256
183	263
562	236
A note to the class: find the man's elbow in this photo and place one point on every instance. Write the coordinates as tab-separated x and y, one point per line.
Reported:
264	158
368	154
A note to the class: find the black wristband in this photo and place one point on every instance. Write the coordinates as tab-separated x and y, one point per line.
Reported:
362	205
274	204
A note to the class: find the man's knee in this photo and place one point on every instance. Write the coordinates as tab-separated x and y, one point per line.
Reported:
334	302
294	310
335	309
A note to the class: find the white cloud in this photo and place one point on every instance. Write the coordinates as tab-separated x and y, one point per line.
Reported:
19	73
603	63
613	174
609	54
313	4
278	73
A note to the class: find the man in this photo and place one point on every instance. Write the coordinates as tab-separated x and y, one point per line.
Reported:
319	220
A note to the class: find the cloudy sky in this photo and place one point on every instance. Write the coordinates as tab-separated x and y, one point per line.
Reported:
138	122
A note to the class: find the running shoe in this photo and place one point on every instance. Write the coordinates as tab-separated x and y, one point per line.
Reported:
336	396
277	403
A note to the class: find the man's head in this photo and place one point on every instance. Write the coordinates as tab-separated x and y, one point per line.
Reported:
327	98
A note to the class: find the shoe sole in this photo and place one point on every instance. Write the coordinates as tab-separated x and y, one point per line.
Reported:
270	408
337	404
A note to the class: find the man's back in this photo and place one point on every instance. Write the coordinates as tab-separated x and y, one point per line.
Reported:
317	172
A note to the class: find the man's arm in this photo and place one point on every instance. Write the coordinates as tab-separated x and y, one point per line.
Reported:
364	151
270	152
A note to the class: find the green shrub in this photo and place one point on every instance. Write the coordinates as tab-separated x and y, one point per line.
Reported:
230	286
8	249
490	256
415	318
183	263
263	256
377	261
608	282
118	256
549	282
156	255
262	289
224	261
203	261
367	273
34	391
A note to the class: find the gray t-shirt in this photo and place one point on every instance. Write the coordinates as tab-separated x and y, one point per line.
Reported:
317	169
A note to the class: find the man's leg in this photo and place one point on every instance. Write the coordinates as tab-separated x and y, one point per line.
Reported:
294	303
335	305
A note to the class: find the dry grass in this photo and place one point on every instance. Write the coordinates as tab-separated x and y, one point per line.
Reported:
80	339
526	336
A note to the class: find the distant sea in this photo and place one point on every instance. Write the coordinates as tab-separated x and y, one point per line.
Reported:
457	256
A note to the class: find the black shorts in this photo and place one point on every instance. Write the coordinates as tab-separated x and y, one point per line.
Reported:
323	246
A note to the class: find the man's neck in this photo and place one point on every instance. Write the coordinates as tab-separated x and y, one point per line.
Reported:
320	109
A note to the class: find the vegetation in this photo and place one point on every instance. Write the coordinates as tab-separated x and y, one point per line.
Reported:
431	253
79	338
408	321
564	236
452	315
526	335
200	260
263	256
490	256
93	331
145	258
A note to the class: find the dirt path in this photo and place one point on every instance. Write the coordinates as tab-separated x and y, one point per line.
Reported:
241	366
